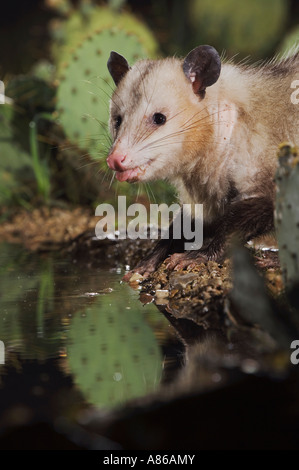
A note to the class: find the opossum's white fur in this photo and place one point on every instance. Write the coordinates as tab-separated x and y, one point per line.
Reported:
230	137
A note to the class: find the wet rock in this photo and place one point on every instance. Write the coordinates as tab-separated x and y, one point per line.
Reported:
146	298
196	294
179	280
136	277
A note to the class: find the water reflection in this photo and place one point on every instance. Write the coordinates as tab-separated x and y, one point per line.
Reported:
111	345
112	352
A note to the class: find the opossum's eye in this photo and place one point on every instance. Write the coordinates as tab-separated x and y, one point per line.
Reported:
117	122
159	119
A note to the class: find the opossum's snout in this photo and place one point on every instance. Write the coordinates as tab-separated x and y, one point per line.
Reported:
115	161
124	171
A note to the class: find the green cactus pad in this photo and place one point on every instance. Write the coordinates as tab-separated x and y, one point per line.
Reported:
113	353
230	26
287	212
84	91
69	33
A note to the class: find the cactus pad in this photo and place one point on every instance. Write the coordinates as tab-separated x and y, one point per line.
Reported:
113	353
231	27
287	212
69	33
86	86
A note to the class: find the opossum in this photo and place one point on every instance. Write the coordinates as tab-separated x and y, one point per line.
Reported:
212	129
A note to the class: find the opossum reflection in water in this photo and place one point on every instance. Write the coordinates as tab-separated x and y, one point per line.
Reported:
212	130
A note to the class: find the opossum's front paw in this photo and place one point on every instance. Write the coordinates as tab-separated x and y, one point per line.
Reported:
144	269
179	261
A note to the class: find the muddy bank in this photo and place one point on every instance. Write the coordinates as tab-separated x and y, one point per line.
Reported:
45	228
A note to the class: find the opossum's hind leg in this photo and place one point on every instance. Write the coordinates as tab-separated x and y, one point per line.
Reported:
245	219
251	217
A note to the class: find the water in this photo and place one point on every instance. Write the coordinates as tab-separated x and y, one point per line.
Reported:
74	337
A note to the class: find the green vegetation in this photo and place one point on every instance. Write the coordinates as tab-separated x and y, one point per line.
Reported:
15	163
26	301
25	175
246	28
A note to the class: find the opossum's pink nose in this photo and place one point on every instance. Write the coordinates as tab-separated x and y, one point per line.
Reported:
115	161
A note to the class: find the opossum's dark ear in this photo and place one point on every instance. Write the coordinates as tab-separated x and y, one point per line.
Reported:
117	66
202	67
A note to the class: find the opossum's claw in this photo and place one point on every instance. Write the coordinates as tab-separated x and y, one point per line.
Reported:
179	261
143	270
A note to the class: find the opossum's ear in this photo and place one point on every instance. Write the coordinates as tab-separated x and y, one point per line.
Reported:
202	67
117	66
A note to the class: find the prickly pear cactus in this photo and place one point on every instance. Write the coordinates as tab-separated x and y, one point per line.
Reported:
86	86
80	23
233	28
112	353
287	212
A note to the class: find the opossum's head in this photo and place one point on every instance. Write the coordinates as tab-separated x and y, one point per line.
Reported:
155	112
